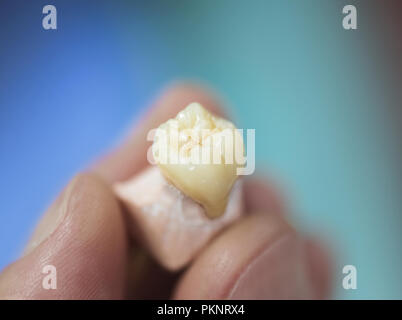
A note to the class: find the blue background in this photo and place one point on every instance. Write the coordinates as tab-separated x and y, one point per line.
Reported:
314	92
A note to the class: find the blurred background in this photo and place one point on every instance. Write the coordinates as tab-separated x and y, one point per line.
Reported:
325	103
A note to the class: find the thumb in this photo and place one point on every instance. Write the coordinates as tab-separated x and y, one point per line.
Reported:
78	250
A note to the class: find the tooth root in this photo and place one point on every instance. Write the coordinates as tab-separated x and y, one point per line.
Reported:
171	225
207	183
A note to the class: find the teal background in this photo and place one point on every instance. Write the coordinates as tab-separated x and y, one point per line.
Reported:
317	95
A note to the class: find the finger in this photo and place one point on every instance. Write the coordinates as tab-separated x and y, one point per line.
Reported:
320	267
263	196
259	195
131	156
84	238
260	257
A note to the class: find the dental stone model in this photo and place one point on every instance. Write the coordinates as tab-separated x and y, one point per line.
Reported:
177	206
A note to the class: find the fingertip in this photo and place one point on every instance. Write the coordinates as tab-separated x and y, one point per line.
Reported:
250	260
178	94
131	156
261	194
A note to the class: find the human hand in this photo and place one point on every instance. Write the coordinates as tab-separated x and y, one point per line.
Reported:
84	235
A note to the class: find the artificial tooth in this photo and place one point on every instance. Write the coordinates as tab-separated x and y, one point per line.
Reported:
198	153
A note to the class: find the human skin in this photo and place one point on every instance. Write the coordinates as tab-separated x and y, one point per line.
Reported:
84	234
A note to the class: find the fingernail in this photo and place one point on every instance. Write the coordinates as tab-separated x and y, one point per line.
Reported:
51	220
279	272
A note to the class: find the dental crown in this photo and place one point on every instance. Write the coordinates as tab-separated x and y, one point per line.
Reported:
199	153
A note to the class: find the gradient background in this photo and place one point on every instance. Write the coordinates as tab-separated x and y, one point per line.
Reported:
325	103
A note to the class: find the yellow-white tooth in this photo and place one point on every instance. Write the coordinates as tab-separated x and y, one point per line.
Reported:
196	152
